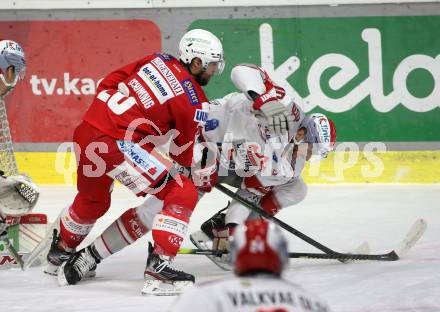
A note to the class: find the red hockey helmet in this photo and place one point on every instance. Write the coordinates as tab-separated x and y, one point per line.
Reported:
258	246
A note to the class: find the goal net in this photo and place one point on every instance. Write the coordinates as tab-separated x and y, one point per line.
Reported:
7	158
31	228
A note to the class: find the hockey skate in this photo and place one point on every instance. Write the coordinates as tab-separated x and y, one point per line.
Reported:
162	279
56	255
213	234
80	265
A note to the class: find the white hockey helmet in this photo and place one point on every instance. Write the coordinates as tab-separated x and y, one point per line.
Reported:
204	45
258	246
321	131
11	54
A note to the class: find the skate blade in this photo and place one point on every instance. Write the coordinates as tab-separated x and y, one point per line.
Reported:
62	281
160	288
51	269
201	241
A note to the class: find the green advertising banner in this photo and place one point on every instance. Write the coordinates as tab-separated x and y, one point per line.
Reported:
377	77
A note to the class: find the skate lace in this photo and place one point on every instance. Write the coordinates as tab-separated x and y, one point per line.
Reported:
84	263
164	264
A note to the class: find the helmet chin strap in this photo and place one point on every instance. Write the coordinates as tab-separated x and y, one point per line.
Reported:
9	86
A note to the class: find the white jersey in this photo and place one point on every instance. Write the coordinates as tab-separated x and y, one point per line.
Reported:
234	127
253	294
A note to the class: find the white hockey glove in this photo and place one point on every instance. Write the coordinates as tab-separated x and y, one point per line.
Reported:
279	119
204	178
18	195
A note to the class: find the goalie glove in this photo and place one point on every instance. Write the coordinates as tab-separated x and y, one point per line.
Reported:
18	195
279	119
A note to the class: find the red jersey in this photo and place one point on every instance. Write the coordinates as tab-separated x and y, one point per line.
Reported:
161	91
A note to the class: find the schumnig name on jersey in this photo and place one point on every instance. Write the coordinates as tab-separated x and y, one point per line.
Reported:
256	298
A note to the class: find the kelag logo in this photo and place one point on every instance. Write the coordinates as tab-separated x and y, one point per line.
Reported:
372	86
379	81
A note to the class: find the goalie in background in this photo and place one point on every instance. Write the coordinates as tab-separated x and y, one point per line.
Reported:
259	256
12	65
18	195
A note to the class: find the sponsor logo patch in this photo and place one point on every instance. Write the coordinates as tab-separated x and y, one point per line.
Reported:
171	225
169	76
165	57
212	124
191	92
156	83
325	128
200	116
127	175
141	158
142	94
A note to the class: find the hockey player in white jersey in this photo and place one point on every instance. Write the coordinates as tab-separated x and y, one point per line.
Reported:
259	255
278	161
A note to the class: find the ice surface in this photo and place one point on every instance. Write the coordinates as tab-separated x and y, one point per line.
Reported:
340	217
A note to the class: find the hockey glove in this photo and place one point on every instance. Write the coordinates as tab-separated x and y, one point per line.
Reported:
278	117
205	178
18	195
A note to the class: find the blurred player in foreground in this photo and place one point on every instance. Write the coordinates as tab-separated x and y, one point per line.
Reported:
259	256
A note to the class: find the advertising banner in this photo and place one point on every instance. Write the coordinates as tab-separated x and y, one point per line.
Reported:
377	77
65	61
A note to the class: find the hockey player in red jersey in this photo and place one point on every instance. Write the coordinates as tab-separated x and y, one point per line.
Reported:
137	109
259	256
235	116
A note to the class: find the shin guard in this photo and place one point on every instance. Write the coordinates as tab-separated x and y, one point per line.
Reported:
169	229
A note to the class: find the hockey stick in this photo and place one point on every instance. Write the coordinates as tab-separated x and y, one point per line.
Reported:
413	235
391	256
13	253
